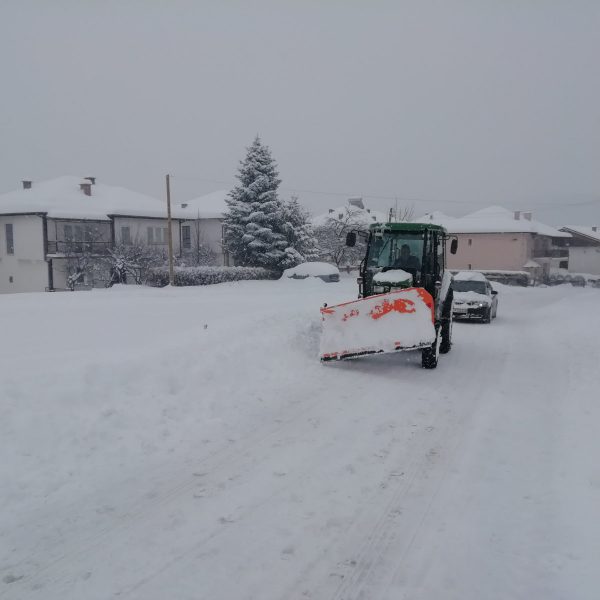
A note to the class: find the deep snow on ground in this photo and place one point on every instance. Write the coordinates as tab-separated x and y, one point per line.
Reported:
186	443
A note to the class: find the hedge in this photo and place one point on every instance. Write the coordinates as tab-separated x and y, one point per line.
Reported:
185	276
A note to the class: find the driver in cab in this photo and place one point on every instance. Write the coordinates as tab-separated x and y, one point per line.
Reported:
406	260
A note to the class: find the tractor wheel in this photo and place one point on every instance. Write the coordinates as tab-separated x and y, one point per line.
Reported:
446	329
429	355
446	342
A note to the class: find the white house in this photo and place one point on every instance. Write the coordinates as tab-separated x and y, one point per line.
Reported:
204	225
45	226
584	249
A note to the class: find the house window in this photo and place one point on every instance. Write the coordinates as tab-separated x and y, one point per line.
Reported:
157	235
564	264
186	236
68	233
10	241
126	236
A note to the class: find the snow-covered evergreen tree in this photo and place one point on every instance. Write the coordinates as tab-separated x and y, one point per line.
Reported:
254	223
298	231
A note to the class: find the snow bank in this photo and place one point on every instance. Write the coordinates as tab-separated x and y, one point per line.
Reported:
308	269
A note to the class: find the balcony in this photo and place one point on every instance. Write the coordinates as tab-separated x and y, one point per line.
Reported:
70	248
551	253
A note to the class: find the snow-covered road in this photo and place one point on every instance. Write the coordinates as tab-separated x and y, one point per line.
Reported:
187	444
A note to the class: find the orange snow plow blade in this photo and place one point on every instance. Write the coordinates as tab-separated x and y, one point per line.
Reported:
398	320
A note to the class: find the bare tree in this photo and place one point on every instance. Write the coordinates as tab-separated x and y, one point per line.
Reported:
331	238
132	263
85	255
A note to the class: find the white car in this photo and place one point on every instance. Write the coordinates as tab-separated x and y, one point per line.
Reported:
474	297
324	271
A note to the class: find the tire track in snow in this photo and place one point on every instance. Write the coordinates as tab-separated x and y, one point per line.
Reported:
392	535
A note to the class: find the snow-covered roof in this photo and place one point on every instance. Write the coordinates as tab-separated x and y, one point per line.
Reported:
63	198
589	232
362	216
209	206
496	219
435	217
469	276
493	219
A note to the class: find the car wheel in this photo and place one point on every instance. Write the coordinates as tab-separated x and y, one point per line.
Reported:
488	316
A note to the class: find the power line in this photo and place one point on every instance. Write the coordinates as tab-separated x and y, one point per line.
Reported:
412	200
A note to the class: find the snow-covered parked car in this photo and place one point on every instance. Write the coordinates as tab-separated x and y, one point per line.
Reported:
324	271
474	296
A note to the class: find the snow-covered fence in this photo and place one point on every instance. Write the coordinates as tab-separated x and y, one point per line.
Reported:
185	276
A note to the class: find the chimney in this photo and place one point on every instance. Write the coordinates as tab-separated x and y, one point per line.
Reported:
86	188
27	184
517	215
331	210
92	180
527	215
595	228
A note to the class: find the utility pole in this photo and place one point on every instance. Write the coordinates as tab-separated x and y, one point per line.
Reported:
169	232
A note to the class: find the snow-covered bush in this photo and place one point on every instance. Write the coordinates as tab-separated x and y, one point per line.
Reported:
185	276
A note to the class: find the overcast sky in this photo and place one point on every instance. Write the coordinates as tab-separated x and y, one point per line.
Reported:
450	105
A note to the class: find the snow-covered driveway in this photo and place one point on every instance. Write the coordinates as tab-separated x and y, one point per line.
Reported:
187	444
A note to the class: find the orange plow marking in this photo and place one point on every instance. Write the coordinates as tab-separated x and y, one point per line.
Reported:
401	305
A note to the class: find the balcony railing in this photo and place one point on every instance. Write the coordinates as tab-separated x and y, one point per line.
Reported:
551	253
64	247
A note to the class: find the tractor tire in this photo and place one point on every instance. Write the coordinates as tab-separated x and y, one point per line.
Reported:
446	341
429	355
446	329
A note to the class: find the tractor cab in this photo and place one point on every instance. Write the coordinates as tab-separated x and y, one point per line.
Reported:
402	255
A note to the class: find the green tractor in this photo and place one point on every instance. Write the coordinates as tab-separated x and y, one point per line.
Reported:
405	296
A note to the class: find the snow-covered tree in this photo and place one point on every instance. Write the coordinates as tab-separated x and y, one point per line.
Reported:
297	228
254	223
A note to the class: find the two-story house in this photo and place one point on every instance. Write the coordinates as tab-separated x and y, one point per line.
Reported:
47	229
497	239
